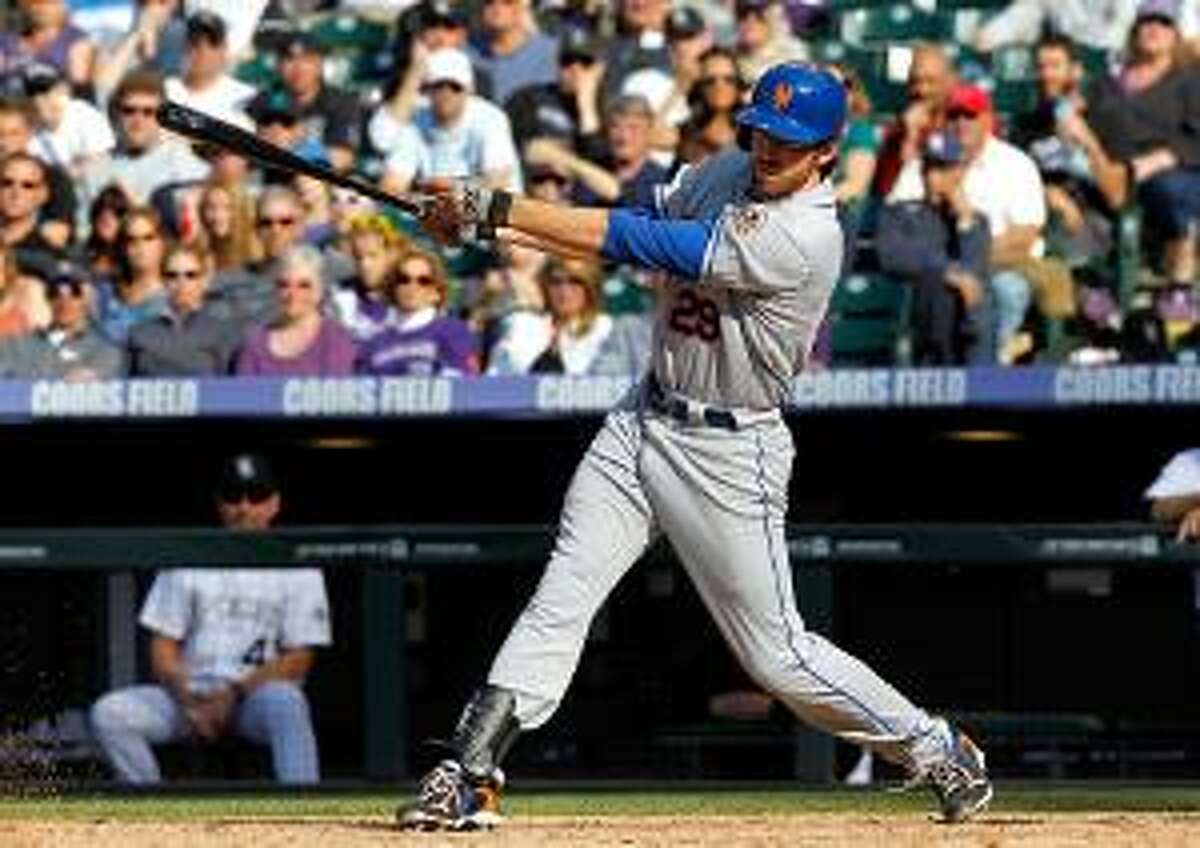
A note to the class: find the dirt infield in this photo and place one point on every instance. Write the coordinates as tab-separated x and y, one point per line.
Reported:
815	829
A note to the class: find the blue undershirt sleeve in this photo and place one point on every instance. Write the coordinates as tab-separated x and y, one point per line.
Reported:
676	246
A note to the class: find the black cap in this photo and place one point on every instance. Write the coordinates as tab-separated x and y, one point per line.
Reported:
60	273
579	42
297	43
745	6
40	77
441	13
684	22
207	25
246	473
277	107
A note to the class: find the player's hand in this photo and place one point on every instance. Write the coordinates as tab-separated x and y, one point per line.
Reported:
1189	527
457	211
212	714
967	285
915	118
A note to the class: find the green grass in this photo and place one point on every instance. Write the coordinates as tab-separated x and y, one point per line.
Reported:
1010	798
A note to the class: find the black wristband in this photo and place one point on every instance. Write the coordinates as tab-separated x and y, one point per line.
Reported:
239	691
498	209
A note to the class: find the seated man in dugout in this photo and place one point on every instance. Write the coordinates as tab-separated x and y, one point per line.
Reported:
230	649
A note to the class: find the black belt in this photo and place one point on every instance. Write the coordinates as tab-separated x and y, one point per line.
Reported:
680	410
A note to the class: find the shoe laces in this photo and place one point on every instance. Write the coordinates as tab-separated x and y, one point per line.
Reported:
440	789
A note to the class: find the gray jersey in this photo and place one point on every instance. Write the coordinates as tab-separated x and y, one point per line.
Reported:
738	336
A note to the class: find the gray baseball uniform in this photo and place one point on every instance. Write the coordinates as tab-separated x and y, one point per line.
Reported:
230	621
700	452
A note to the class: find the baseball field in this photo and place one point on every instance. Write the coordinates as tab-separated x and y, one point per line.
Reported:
1096	815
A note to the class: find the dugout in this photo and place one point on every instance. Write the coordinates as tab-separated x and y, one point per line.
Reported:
992	637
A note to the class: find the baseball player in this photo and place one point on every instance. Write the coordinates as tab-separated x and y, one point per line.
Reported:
698	451
230	649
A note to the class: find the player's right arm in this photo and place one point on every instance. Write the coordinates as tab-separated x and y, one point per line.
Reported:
168	668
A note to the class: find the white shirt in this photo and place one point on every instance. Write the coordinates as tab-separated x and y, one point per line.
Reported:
226	98
480	143
1102	24
527	334
231	621
241	20
1002	183
84	132
1179	478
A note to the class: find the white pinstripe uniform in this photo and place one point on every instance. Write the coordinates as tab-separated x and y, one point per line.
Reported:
700	453
229	621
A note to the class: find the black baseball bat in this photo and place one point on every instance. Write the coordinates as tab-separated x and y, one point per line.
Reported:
205	128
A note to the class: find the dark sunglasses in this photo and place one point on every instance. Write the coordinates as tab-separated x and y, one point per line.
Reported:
444	84
728	79
144	111
419	279
28	185
181	275
255	493
576	59
276	222
58	288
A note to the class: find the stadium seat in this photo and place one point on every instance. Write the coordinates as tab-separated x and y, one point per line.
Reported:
868	320
893	22
347	32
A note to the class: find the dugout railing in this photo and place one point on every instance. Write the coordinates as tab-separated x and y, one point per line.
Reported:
384	554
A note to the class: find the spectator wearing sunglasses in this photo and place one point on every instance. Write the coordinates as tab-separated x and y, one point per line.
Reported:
137	292
567	336
183	340
246	295
423	341
146	158
230	650
57	216
24	192
69	348
455	134
713	101
300	342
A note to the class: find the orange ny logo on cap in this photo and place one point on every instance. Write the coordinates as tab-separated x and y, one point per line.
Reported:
783	96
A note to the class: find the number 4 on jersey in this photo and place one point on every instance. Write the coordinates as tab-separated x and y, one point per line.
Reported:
256	654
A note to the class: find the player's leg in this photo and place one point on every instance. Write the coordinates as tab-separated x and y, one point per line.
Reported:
605	525
276	714
721	499
127	722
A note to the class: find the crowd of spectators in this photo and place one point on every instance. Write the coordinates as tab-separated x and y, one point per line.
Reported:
125	250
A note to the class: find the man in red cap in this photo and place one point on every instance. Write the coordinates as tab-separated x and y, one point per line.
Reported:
1001	182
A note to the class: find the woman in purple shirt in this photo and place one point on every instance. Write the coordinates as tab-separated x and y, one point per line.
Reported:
301	342
422	341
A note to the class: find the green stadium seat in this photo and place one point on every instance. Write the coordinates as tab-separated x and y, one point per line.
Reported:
868	320
258	71
971	4
893	22
348	32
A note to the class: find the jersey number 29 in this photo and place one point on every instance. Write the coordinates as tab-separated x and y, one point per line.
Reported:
694	315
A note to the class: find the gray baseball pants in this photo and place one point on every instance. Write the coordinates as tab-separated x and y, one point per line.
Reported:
127	722
720	496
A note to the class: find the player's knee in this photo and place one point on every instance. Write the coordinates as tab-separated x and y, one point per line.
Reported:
109	715
283	701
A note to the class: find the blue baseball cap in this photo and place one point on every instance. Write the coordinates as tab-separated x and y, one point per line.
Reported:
797	103
943	148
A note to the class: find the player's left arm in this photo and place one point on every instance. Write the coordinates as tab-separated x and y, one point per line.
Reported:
621	235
